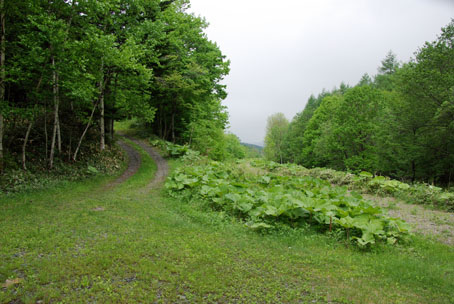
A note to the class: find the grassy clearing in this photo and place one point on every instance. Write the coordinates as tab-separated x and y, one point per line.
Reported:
79	245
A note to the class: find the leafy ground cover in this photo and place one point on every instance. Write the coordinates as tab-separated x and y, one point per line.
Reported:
365	182
77	243
264	200
91	162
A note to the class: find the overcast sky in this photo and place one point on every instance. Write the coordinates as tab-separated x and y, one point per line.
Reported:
281	52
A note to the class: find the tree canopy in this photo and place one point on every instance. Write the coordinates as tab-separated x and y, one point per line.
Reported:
69	69
398	123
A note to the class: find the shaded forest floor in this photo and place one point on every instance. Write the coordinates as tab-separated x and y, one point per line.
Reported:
88	242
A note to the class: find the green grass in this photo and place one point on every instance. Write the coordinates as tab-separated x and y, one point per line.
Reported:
145	247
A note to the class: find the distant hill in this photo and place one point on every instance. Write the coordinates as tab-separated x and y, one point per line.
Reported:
256	147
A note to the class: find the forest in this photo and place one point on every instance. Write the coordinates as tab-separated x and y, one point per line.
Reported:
398	123
69	69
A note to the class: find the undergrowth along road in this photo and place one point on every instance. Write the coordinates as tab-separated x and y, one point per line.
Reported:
78	244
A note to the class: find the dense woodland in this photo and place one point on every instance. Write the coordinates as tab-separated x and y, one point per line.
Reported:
69	69
399	123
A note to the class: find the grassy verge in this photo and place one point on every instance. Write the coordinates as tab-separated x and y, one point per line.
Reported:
131	246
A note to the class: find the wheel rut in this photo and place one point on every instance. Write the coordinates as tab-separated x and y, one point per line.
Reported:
161	163
135	161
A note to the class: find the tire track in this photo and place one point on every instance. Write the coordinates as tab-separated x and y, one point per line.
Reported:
161	163
134	162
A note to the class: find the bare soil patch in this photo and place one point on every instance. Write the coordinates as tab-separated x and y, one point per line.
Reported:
432	223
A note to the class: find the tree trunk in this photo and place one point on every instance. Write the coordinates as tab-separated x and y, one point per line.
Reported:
111	130
45	129
58	135
190	135
102	144
1	143
450	176
24	146
57	98
85	131
173	122
2	77
70	144
173	127
112	114
101	123
160	122
164	134
56	104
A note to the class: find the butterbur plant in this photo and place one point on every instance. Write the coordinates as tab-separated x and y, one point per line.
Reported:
366	182
267	201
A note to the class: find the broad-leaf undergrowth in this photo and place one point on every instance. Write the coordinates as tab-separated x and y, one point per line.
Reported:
264	199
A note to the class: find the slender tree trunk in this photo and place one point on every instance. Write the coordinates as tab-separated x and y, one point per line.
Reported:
161	128
70	144
280	153
85	131
102	144
57	98
2	76
1	143
112	120
46	135
56	104
24	146
165	130
111	130
450	176
190	135
173	122
58	135
173	127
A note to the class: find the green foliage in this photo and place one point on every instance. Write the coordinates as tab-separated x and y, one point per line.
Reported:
108	162
399	125
276	129
234	148
207	137
227	146
90	63
266	199
175	151
366	182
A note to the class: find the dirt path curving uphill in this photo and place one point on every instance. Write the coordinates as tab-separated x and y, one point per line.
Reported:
161	163
134	162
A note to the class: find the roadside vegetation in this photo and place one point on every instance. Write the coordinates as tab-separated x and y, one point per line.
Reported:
92	163
263	200
128	245
365	182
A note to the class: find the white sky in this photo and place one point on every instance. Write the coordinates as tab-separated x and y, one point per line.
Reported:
281	52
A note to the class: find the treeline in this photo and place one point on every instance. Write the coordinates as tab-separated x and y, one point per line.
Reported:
69	69
399	123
